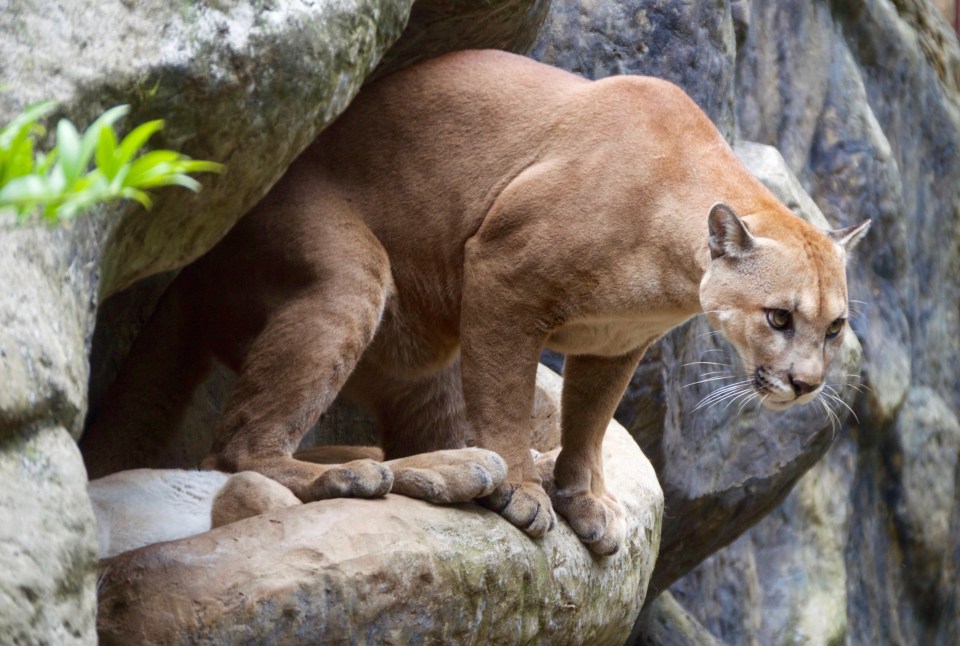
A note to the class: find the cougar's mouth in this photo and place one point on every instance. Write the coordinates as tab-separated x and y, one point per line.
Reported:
774	395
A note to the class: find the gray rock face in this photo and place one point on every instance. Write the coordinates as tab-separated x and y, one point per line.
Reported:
689	43
665	622
440	26
245	83
47	540
392	570
726	465
239	82
861	98
871	130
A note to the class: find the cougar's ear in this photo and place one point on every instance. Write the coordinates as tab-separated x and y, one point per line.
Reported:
849	237
728	234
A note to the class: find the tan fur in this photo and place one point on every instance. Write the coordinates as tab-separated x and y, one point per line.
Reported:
462	215
247	494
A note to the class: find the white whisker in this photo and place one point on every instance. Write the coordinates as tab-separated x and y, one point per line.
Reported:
834	395
760	402
746	401
707	363
713	350
831	417
710	333
710	379
724	392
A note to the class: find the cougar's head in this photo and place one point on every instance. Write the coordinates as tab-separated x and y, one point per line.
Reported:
777	290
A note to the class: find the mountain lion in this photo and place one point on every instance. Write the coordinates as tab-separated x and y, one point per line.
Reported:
461	216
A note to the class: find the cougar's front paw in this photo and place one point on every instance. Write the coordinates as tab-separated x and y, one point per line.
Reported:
526	505
599	521
357	479
455	475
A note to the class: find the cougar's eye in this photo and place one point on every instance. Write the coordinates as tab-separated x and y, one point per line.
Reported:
779	319
835	328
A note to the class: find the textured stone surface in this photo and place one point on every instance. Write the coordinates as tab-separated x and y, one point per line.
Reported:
689	43
243	82
861	98
725	465
664	622
393	570
440	26
786	574
47	540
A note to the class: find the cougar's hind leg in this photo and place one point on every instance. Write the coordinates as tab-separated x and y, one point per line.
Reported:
425	433
298	362
135	423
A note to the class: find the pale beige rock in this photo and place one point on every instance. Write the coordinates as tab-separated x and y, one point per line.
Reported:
392	570
242	82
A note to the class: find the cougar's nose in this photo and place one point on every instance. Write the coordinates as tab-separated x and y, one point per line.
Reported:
801	387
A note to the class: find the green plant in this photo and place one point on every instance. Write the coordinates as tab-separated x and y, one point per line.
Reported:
60	184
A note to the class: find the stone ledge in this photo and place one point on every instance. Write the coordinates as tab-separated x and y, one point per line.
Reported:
392	570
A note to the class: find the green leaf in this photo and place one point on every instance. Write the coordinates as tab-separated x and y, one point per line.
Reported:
200	166
175	179
18	161
106	156
134	141
59	185
68	150
140	196
92	135
24	190
25	121
150	165
44	163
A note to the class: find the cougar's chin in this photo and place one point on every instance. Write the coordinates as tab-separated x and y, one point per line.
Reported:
776	395
782	401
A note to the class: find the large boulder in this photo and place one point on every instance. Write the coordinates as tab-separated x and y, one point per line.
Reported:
245	83
861	98
392	570
723	465
241	82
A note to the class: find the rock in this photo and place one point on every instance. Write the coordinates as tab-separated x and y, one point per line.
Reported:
664	622
392	570
47	540
439	26
235	80
145	506
245	83
923	451
787	574
724	465
689	43
861	98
